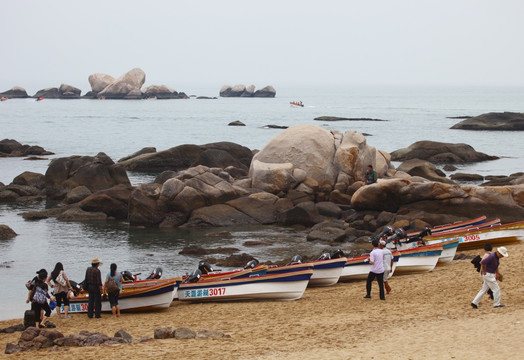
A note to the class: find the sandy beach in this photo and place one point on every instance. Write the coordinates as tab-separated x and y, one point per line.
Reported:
426	316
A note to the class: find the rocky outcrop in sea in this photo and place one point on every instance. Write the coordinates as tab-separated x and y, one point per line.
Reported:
305	176
506	121
243	91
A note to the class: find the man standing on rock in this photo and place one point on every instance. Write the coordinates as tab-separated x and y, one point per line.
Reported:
371	176
490	271
376	259
93	283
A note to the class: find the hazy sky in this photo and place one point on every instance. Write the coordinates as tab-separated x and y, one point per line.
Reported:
282	43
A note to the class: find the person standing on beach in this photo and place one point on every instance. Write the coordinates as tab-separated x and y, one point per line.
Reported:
95	289
371	176
490	271
388	264
113	286
487	248
61	287
376	259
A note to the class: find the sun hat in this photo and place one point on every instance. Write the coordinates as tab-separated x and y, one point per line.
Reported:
502	250
96	261
382	242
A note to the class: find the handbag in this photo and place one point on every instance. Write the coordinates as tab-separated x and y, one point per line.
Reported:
60	279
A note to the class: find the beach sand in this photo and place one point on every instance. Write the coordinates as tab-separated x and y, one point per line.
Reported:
426	316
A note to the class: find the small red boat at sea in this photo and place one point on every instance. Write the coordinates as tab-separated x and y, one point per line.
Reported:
296	103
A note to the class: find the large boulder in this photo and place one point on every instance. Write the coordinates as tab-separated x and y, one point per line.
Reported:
99	81
95	173
144	208
506	121
219	215
69	92
12	148
266	92
438	152
48	93
307	147
273	178
221	154
405	196
6	232
124	86
160	92
232	91
28	178
16	92
425	169
113	202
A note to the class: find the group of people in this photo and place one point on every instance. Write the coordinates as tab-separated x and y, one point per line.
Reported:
381	260
39	296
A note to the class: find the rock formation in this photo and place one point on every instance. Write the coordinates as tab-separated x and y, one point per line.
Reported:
126	86
438	152
16	92
162	92
509	121
12	148
242	91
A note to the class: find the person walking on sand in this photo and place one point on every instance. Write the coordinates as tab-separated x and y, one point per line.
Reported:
95	289
490	271
388	264
38	296
487	248
376	259
113	286
61	287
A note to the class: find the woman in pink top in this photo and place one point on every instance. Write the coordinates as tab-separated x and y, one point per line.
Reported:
61	287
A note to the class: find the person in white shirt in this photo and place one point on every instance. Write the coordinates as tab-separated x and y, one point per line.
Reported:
376	259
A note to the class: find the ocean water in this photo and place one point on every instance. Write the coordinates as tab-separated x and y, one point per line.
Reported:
119	128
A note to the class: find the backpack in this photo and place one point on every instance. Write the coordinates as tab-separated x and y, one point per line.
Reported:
112	286
40	295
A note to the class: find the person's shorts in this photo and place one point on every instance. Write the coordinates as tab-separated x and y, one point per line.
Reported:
386	275
62	296
113	298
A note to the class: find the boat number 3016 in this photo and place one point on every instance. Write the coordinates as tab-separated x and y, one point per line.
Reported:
471	237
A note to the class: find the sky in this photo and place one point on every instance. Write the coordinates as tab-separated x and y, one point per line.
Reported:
280	43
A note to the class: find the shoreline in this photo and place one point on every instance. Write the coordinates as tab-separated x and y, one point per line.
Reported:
426	316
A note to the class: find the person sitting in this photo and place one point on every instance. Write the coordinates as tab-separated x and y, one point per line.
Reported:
371	176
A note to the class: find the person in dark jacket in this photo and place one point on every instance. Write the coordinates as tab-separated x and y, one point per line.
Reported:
93	282
38	295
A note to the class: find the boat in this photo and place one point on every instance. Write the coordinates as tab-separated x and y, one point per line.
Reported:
457	225
158	296
449	248
473	238
289	268
3	99
296	103
357	268
326	272
419	259
284	286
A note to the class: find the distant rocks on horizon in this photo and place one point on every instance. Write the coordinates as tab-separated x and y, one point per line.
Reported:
243	91
16	92
65	91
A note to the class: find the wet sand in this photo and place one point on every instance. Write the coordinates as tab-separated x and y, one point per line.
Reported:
426	316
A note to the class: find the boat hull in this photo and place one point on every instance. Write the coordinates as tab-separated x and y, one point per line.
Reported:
326	272
146	298
358	269
286	286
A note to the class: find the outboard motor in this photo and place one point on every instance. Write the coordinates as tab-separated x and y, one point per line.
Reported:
75	286
397	236
205	268
251	264
324	256
127	276
156	274
337	254
420	236
193	277
386	232
297	259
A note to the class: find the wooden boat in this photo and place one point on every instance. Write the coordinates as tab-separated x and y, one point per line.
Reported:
158	296
357	268
284	286
419	259
326	272
289	268
448	252
473	238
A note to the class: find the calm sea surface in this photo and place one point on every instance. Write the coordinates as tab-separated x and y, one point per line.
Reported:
119	128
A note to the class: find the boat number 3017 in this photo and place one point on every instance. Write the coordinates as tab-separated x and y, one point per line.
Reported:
204	292
217	291
471	238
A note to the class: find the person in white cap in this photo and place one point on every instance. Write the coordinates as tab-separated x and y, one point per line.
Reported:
388	264
490	271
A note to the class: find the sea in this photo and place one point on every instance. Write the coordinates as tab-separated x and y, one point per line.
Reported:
119	128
